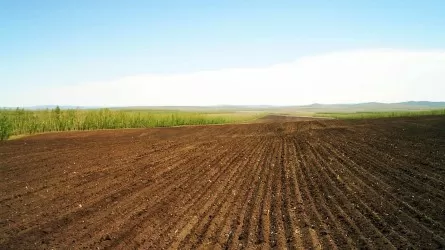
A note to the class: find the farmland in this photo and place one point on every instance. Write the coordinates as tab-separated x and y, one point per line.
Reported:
279	183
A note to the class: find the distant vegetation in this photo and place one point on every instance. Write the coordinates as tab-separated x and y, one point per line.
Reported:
363	115
25	122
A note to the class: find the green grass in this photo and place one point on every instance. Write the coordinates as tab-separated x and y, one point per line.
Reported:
364	115
25	122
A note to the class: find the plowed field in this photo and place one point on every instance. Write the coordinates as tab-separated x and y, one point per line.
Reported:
277	184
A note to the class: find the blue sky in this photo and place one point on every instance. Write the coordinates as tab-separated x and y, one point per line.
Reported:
46	46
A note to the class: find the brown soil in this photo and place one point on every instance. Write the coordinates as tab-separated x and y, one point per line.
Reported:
290	118
277	184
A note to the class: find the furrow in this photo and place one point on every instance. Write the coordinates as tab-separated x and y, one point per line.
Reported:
299	214
286	199
240	175
350	181
231	233
337	198
327	203
406	204
241	190
192	185
315	219
394	216
277	237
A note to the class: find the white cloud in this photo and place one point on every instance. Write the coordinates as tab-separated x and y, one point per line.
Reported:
383	75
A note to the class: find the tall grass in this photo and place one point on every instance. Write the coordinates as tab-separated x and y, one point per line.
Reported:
5	127
20	121
364	115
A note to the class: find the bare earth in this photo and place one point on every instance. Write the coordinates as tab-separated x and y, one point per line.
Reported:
281	183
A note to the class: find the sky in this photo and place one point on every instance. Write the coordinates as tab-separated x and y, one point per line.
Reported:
157	53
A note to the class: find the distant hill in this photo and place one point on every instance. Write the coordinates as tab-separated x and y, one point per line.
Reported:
312	108
373	106
424	103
